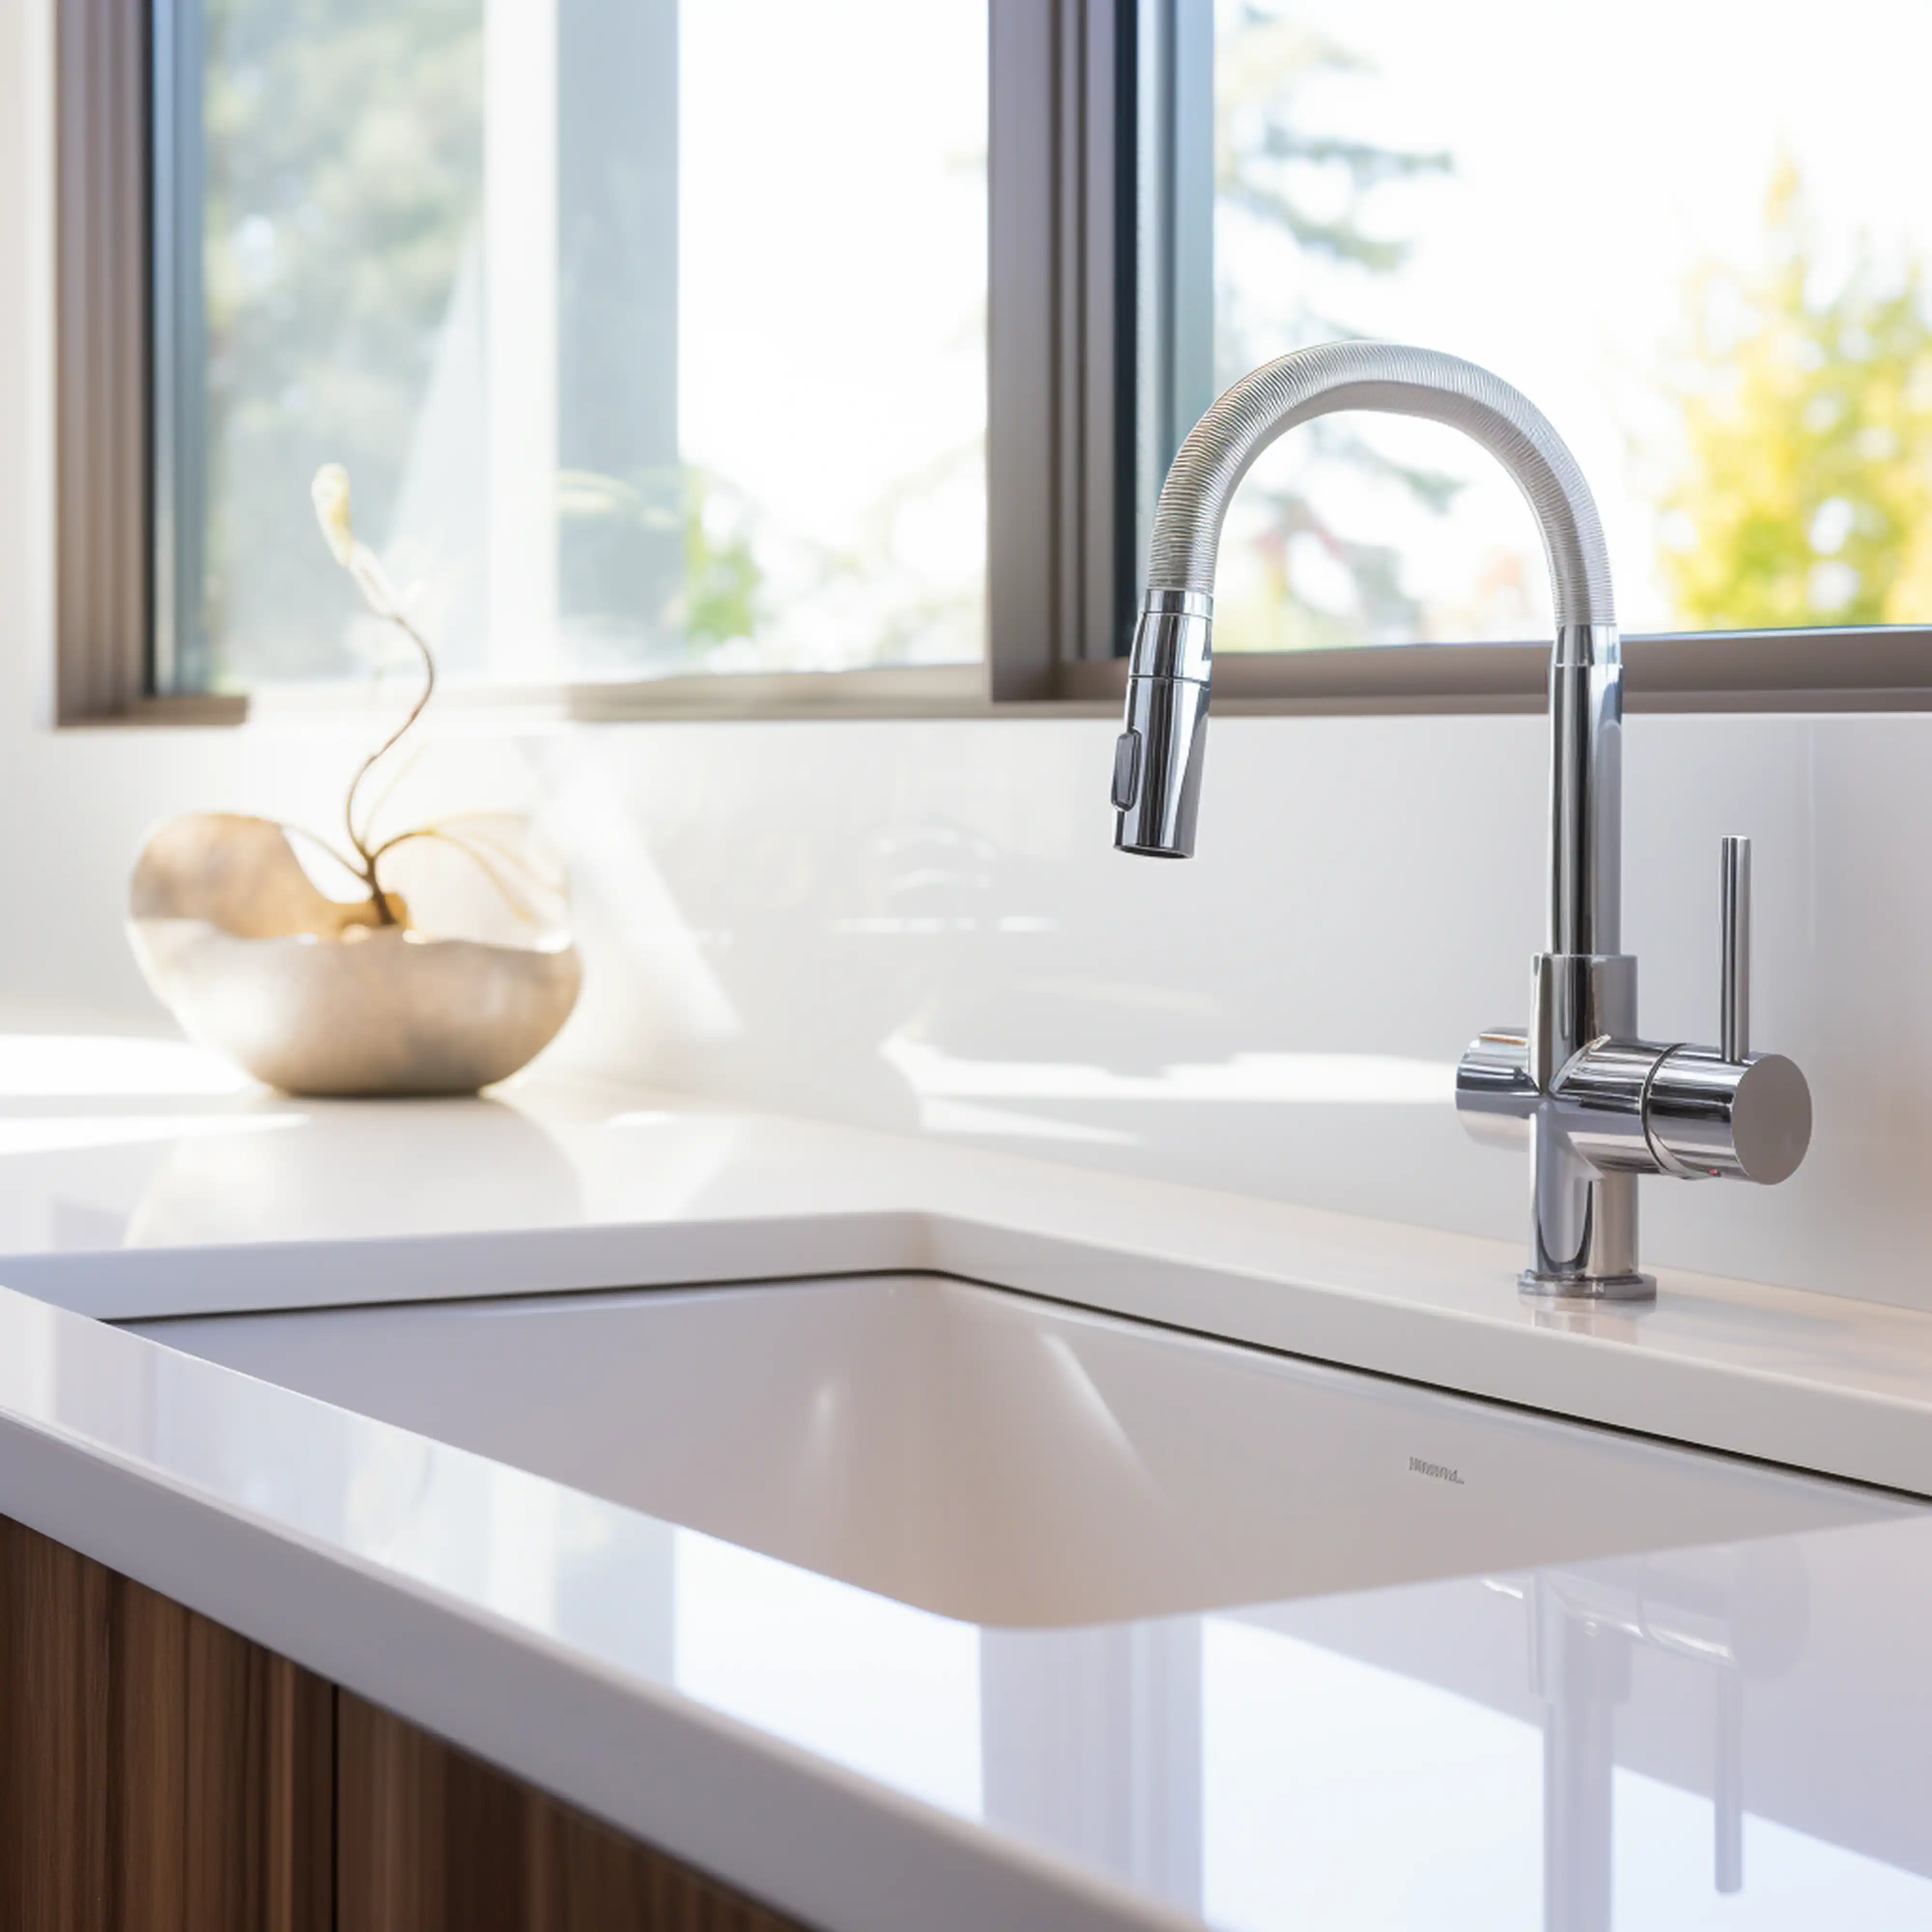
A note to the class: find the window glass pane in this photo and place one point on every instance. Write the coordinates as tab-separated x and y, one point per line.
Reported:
1692	231
651	333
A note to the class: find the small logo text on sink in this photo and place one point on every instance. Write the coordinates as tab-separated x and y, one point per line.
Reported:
1441	1471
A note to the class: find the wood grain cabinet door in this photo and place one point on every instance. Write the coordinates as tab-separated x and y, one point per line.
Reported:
160	1774
433	1840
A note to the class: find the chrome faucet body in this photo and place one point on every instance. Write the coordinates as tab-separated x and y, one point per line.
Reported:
1596	1105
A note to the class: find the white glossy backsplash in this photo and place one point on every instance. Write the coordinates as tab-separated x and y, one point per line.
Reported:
922	926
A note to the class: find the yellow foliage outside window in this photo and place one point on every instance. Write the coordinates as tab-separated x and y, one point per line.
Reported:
1805	496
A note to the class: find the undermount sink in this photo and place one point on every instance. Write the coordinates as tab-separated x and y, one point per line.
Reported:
1004	1460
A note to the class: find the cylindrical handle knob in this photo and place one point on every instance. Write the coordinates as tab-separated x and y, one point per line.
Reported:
1734	982
1495	1094
1747	1120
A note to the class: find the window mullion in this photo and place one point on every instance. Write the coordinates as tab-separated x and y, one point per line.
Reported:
101	596
1061	337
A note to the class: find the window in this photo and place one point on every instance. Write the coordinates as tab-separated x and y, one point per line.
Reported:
652	334
1691	230
725	355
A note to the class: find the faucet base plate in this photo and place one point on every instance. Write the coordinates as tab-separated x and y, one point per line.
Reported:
1587	1287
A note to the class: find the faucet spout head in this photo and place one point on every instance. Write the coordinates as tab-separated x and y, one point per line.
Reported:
1158	758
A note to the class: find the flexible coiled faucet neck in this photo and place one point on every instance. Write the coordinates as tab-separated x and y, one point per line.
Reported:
1158	763
1391	380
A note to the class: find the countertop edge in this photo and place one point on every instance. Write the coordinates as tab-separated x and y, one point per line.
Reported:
780	1824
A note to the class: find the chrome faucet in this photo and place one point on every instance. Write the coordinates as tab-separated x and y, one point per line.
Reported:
1596	1105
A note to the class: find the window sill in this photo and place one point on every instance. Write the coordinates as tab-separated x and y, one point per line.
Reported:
1738	671
1887	670
941	691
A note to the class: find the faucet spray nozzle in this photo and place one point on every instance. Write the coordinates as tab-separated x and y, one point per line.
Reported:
1158	758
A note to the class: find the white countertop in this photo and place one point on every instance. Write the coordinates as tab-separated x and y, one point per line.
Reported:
845	1756
143	1178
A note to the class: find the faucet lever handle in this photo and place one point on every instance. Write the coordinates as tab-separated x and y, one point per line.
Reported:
1734	981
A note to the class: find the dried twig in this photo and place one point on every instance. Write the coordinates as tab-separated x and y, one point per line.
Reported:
330	492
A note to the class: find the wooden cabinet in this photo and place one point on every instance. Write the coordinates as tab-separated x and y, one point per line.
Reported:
433	1840
160	1774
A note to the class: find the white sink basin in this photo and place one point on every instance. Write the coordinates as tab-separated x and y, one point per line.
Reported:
1004	1460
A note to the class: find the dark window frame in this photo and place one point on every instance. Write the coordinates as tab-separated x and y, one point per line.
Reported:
1091	161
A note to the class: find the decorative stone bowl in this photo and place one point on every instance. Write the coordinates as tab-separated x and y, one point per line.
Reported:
315	997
